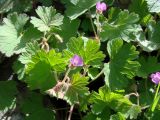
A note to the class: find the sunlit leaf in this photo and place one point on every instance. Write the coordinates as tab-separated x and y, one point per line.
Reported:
122	27
114	101
153	5
74	11
88	50
77	89
47	18
152	42
40	70
11	33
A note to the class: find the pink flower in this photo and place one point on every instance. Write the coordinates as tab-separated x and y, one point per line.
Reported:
155	77
101	7
76	61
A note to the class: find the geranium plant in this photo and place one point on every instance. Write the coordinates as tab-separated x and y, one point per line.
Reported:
79	59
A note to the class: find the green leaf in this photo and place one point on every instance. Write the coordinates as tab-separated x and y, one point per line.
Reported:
22	5
122	27
32	106
74	2
148	65
74	11
133	111
30	35
93	72
109	2
15	6
88	50
75	45
66	33
140	8
12	40
46	2
73	25
153	5
40	76
153	41
155	115
30	50
77	89
90	116
8	93
116	102
73	91
48	18
86	25
5	5
57	61
117	116
19	69
40	69
103	116
145	91
122	65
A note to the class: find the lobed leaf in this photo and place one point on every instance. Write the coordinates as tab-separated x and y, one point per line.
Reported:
114	101
74	11
30	50
88	50
10	33
122	65
40	70
152	42
32	106
8	93
148	66
48	18
140	8
122	27
77	89
153	5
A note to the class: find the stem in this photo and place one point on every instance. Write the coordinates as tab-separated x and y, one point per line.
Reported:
99	74
1	18
137	98
85	70
156	92
66	75
98	26
70	112
55	75
145	107
94	30
49	36
155	100
133	94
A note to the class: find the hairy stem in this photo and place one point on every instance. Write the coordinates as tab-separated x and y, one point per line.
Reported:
70	112
66	75
156	99
85	70
94	30
55	75
156	92
99	74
